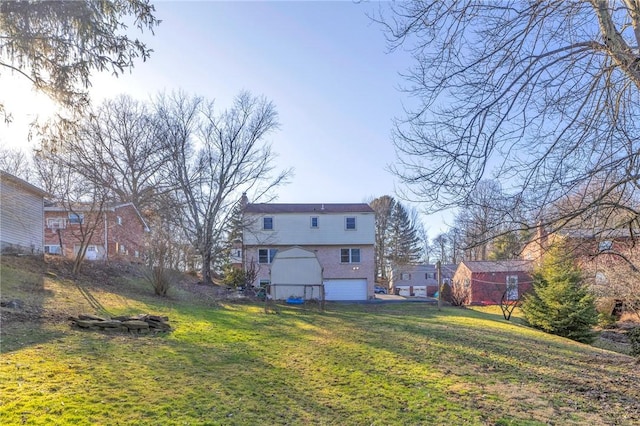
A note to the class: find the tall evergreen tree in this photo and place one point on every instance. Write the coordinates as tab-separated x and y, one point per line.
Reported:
403	246
560	303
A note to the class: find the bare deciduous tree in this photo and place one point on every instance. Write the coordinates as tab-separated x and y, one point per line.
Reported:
15	162
216	157
382	207
117	146
541	96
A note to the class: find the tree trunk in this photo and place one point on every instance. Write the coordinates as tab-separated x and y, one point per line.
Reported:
206	267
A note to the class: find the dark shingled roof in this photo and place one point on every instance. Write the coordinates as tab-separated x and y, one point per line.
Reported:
499	266
308	208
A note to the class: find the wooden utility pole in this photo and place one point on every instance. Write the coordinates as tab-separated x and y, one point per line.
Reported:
439	279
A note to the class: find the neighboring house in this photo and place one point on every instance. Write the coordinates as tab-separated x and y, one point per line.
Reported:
119	234
604	257
485	282
419	280
341	236
21	215
583	244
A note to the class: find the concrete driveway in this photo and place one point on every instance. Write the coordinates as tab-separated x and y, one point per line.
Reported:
397	298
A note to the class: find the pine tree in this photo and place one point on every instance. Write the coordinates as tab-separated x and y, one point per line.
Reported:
559	303
403	243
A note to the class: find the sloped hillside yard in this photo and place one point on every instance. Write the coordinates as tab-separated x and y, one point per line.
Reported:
234	364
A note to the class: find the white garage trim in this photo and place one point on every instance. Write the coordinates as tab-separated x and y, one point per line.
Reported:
345	289
403	290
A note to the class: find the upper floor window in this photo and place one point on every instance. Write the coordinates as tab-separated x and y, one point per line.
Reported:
118	220
266	255
350	222
267	223
405	276
76	218
314	221
350	255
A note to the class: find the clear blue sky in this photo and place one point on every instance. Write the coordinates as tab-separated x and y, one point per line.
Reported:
326	67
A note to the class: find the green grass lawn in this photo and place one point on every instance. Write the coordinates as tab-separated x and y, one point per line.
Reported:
234	364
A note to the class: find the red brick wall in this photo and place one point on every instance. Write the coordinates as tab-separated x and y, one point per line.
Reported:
488	287
130	234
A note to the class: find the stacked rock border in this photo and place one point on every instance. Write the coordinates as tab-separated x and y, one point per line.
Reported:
143	323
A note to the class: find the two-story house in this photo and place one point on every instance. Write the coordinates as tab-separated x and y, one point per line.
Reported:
116	232
341	236
419	280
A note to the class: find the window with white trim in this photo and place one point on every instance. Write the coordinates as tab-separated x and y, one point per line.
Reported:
56	223
267	223
512	287
350	255
266	255
350	223
405	276
118	220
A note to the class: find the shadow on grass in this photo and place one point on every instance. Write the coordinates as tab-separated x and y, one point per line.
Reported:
23	316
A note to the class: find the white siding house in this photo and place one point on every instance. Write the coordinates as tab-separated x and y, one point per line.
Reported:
340	235
21	215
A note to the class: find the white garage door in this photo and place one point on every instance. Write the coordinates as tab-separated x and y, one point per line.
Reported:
404	290
420	291
345	289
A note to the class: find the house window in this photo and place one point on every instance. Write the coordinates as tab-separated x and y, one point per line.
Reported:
405	276
350	223
76	218
123	249
56	223
605	245
118	220
266	255
314	222
52	250
512	287
267	223
350	255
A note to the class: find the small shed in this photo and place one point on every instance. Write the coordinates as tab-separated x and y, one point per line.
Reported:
296	273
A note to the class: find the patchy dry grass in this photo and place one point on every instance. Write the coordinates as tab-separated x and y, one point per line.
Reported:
232	364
